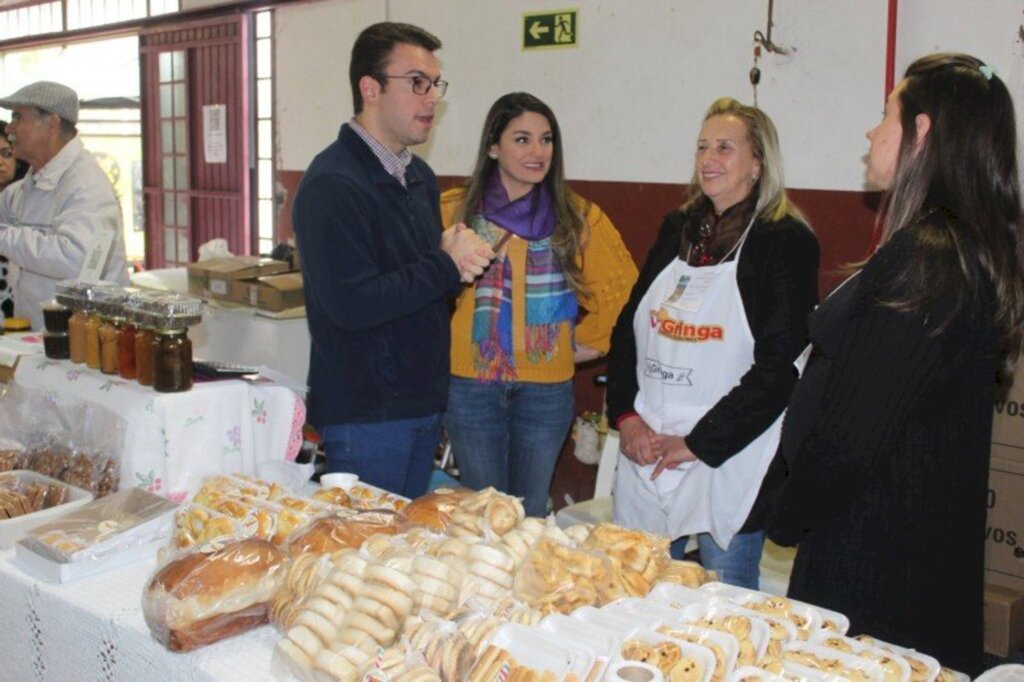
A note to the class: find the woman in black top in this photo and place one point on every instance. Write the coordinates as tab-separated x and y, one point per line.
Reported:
887	434
701	364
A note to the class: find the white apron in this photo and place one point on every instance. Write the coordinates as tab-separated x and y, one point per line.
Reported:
693	346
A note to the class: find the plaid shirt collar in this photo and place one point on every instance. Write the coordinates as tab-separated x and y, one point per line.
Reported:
394	164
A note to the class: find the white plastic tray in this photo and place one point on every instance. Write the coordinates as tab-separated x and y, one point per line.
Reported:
869	668
12	530
543	650
44	569
834	640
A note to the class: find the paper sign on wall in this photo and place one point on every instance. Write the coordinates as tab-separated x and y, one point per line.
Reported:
215	133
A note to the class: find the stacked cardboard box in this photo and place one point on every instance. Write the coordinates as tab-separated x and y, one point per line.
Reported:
272	292
214	278
1004	531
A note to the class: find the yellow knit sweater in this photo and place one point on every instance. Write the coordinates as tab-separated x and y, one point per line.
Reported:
609	273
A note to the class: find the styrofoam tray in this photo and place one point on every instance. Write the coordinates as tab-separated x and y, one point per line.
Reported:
44	569
12	530
679	596
826	619
752	672
652	614
702	654
613	621
600	642
706	637
927	665
543	650
759	632
864	650
869	668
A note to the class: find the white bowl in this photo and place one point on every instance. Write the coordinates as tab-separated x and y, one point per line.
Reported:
339	480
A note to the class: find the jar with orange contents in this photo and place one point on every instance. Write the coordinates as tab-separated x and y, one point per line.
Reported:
110	305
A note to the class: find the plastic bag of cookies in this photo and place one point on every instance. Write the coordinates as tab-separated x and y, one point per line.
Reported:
558	578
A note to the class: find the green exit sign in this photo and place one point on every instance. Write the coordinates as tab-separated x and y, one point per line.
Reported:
551	29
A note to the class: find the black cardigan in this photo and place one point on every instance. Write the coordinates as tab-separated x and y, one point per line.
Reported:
887	439
778	282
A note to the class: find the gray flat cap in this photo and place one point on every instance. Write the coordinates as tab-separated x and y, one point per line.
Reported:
47	95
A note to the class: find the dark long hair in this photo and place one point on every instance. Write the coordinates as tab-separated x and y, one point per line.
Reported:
571	232
20	167
959	189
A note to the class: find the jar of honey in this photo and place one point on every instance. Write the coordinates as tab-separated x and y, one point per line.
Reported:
83	320
171	316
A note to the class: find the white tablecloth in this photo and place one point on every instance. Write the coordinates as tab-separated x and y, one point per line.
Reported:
173	440
240	334
93	630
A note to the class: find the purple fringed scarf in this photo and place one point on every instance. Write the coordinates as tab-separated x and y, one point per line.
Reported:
549	300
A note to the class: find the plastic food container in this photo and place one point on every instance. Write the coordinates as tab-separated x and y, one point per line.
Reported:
895	667
701	654
816	616
12	530
827	656
543	651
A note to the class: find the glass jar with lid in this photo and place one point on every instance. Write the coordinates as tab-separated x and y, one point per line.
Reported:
172	315
139	319
110	305
84	322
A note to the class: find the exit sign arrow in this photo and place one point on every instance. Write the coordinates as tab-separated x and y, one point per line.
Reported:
550	29
537	29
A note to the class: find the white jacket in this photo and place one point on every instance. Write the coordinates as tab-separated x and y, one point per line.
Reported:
48	220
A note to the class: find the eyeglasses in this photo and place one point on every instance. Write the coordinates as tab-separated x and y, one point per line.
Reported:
421	85
6	153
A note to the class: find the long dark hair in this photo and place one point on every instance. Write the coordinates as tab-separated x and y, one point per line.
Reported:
20	167
572	232
958	188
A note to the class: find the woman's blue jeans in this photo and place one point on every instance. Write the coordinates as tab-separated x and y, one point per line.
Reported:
739	565
509	435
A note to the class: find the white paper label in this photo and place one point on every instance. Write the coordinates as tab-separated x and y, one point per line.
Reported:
215	133
96	255
219	286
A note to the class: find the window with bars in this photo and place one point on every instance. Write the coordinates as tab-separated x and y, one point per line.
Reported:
174	156
42	17
265	184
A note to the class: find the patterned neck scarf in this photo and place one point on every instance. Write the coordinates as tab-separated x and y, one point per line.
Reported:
549	300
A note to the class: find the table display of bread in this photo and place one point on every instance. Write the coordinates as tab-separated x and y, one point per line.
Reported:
460	585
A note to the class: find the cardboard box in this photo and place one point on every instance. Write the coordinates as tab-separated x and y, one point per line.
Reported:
1004	620
1008	417
213	278
1004	530
273	292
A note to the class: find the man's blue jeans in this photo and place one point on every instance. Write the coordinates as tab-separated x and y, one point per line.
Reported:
508	435
739	565
396	455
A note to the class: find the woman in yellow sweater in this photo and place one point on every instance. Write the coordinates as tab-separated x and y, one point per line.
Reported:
548	301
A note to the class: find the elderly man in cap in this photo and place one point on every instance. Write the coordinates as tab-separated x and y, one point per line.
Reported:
64	210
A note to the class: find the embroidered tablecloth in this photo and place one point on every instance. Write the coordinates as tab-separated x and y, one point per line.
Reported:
173	440
93	630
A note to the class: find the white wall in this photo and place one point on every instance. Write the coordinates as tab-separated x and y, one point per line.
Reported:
630	98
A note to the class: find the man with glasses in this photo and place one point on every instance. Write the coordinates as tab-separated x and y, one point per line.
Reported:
379	269
64	210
